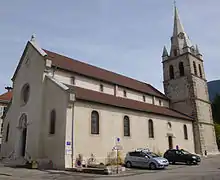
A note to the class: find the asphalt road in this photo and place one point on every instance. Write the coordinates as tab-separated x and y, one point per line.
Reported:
209	169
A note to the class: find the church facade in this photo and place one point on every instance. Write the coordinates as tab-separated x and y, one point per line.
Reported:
62	107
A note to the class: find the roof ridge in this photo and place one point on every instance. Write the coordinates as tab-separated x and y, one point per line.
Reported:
106	70
99	67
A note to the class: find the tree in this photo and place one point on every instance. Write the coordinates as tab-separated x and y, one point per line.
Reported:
216	109
217	131
216	117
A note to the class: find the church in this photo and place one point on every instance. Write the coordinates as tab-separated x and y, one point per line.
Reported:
61	107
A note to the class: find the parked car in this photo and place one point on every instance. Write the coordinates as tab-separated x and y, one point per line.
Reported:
174	155
145	160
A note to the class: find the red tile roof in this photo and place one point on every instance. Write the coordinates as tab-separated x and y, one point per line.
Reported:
91	71
102	98
6	97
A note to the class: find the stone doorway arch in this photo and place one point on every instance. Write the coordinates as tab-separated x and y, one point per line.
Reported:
22	126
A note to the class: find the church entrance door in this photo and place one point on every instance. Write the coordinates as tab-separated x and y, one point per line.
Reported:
23	135
23	141
170	142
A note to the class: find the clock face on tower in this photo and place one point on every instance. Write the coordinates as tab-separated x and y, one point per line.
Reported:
181	35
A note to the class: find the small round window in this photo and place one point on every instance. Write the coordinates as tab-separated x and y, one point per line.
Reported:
25	92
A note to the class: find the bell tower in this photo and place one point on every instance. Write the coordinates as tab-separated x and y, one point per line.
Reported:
186	85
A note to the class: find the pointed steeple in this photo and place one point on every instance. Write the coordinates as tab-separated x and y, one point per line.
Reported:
165	53
179	39
177	26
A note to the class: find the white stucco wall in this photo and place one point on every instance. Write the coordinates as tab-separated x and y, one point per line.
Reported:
134	95
84	82
87	83
32	74
111	126
53	144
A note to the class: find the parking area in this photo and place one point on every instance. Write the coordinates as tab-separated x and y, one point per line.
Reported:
209	169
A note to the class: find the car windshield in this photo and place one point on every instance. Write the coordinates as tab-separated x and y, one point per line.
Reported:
185	152
151	154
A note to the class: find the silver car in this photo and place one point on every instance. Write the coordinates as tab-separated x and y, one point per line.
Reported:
145	159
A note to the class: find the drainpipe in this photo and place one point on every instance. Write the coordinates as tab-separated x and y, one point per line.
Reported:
72	133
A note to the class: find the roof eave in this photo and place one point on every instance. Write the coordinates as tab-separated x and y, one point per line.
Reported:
150	112
21	59
4	101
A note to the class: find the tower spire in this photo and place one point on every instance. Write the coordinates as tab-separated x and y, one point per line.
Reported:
179	38
165	53
177	27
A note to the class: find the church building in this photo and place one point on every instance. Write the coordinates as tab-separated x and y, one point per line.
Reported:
4	101
62	107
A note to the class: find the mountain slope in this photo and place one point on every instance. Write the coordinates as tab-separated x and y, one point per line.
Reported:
213	88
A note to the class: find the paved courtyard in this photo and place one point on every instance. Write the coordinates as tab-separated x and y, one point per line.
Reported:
209	169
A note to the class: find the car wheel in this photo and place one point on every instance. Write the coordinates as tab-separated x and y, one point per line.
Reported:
152	166
196	163
128	164
188	162
173	162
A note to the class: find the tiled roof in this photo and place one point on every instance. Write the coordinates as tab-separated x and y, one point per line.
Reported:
102	98
6	97
78	67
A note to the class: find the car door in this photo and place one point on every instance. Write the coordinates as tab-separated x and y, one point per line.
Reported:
134	158
180	156
170	155
144	160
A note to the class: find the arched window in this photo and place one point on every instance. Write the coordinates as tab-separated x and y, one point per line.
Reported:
181	69
151	128
125	93
171	72
73	80
126	126
185	132
194	67
7	133
52	122
94	122
200	70
144	98
25	93
101	87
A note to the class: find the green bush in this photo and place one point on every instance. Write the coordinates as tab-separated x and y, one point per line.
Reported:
217	131
112	158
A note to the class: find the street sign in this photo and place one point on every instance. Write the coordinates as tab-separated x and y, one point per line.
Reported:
117	147
68	143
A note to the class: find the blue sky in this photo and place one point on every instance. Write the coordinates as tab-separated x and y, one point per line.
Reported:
125	36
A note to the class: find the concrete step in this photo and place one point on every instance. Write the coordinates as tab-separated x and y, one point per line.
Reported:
14	162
